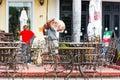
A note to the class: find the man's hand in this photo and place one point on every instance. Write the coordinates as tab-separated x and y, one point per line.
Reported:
18	32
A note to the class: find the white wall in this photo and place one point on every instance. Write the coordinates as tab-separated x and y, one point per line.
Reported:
106	0
53	9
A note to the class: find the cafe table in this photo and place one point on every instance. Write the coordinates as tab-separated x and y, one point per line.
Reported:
78	56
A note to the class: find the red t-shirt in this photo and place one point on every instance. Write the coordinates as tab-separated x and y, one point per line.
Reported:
26	35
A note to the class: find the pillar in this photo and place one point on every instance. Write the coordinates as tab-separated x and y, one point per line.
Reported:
76	20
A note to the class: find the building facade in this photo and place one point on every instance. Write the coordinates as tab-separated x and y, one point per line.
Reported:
74	13
37	14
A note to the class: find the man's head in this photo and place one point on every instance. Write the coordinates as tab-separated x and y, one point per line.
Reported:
25	27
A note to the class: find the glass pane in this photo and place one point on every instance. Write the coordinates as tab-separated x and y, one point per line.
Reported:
116	24
107	8
107	22
66	16
85	5
116	8
83	26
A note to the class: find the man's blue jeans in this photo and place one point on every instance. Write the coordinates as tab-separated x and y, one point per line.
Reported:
26	51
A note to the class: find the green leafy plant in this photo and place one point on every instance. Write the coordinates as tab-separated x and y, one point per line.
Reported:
118	56
63	45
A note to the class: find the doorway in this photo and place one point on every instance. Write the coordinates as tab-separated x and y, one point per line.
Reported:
111	17
14	12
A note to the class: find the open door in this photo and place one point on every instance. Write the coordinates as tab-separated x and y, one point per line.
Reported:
14	12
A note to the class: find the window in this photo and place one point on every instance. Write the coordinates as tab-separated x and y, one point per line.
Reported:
66	16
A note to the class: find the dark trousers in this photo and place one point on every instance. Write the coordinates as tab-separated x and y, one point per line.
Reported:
26	51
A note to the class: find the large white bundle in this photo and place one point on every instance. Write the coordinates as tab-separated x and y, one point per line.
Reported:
58	25
94	27
23	18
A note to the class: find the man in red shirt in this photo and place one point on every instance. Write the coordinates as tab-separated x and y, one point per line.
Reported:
27	37
26	34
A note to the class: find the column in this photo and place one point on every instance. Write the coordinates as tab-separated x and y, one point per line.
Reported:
76	20
57	11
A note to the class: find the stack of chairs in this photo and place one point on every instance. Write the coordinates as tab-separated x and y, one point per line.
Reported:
7	37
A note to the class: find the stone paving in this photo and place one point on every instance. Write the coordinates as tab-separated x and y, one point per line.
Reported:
40	78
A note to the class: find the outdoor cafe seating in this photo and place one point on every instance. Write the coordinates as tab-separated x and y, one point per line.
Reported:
11	53
73	55
82	56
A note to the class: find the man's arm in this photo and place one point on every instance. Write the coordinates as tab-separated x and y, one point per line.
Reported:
44	33
18	32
